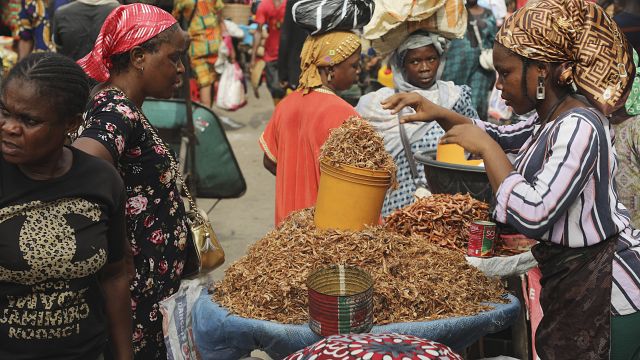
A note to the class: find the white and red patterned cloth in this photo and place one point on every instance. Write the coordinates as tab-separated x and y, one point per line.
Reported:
375	347
127	26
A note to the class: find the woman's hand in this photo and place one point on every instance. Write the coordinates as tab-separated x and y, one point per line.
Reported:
472	138
425	109
476	141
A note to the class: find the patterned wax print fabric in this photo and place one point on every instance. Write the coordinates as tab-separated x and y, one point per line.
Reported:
35	23
292	139
204	28
633	101
10	11
462	65
156	220
57	235
579	32
628	175
375	347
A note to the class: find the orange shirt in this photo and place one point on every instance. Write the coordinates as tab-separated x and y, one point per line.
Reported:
292	139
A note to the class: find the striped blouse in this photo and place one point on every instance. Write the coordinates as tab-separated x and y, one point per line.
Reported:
562	191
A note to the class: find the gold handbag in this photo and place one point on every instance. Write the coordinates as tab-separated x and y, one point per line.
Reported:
204	252
207	247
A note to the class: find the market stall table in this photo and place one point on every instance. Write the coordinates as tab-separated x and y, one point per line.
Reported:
220	335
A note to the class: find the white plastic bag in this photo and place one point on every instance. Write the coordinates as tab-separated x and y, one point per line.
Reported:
230	94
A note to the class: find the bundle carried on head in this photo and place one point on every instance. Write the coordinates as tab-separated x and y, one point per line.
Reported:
414	279
356	143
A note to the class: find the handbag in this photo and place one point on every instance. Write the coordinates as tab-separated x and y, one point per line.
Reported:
204	252
486	55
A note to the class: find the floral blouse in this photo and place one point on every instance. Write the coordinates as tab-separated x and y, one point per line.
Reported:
155	214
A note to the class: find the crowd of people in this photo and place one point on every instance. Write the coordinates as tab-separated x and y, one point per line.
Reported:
93	224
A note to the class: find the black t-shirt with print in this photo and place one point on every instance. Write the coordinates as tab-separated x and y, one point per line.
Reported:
55	236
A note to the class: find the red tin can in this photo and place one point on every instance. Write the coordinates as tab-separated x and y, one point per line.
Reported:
482	236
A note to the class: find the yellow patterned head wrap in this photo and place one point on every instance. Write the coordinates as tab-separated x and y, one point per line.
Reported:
324	50
579	32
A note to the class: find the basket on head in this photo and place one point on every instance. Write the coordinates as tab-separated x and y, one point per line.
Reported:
238	13
340	300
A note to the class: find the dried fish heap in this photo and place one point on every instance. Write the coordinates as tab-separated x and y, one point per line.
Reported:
357	143
441	219
414	279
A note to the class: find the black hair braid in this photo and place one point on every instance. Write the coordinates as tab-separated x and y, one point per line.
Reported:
58	79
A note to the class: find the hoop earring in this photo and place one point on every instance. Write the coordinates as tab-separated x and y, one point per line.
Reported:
540	95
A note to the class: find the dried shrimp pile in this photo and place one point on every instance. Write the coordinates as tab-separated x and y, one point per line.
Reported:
413	279
441	219
356	143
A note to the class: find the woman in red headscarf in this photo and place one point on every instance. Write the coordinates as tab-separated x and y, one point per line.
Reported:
138	54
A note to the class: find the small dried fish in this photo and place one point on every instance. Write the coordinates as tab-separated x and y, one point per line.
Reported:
414	279
441	219
357	143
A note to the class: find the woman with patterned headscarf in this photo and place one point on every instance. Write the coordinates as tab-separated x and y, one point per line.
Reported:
568	61
301	123
138	55
416	66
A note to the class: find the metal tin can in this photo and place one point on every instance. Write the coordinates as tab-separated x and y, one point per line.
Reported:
482	236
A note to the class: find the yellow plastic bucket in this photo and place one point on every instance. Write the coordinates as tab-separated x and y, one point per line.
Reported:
454	154
349	198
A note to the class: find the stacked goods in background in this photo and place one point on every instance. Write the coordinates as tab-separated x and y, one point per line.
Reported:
415	279
355	174
394	20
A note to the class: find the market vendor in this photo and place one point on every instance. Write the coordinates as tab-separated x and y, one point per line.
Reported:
560	190
302	121
416	66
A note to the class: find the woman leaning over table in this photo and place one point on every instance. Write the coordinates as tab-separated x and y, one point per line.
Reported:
138	54
302	121
64	287
560	189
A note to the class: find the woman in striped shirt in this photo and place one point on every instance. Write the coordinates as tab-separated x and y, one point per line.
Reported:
567	60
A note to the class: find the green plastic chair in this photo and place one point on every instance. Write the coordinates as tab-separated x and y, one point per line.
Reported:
217	173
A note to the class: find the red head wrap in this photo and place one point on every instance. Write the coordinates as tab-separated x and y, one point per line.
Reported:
127	26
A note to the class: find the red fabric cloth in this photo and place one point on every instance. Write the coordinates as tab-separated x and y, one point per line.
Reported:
268	14
375	347
292	139
127	26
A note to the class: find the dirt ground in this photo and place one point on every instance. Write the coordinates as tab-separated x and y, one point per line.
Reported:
240	222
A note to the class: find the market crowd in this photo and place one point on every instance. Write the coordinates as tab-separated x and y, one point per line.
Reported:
93	229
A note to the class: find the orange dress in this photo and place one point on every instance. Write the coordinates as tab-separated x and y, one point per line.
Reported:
292	139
